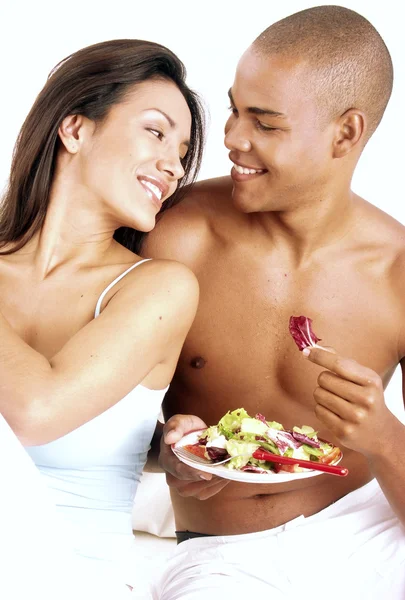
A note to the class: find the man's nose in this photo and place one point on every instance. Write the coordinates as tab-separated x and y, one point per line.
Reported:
236	137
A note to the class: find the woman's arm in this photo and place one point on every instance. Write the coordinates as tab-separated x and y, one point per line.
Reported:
143	325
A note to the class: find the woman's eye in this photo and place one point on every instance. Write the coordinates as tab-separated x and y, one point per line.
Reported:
233	110
157	133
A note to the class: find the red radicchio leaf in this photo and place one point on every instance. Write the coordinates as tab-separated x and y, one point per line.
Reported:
253	469
305	439
301	331
261	418
283	440
216	454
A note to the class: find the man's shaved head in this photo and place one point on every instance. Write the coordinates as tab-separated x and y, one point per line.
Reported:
348	62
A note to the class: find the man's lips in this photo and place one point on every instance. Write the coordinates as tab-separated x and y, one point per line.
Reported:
239	173
155	188
244	172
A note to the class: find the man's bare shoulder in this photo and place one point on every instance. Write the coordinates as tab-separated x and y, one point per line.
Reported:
378	227
206	199
208	190
185	231
385	236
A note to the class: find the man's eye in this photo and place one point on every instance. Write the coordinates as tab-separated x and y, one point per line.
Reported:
264	127
157	133
233	110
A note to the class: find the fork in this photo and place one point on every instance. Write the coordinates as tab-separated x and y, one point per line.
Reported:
264	455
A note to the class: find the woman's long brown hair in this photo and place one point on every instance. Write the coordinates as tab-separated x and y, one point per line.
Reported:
88	82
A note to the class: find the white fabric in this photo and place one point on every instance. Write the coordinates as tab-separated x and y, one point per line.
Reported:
35	556
152	511
112	284
353	549
93	473
152	553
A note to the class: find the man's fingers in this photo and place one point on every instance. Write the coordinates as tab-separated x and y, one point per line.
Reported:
332	421
177	427
336	404
199	483
199	489
344	367
210	490
352	392
169	462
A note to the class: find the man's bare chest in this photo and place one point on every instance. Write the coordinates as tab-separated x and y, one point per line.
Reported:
239	346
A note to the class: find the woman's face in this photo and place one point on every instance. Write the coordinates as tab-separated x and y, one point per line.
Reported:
132	161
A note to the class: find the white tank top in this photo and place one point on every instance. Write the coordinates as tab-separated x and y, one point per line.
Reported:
93	473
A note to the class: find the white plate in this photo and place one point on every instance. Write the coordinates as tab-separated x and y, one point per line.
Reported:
242	476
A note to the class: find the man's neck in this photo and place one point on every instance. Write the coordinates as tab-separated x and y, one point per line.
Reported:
310	228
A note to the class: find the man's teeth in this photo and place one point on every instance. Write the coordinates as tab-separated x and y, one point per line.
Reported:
245	170
153	188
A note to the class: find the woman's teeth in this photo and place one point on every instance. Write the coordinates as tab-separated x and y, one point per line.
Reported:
154	189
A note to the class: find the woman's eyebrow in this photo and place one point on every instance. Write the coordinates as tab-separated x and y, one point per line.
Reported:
172	123
166	116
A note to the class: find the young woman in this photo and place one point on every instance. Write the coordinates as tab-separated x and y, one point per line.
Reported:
90	333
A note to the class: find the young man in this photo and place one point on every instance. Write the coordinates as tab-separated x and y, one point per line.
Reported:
285	235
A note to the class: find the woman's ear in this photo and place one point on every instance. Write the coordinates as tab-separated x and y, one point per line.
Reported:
350	132
71	132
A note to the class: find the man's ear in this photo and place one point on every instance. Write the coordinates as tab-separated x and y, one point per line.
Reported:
71	132
350	132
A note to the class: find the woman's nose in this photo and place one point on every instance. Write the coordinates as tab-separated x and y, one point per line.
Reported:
172	166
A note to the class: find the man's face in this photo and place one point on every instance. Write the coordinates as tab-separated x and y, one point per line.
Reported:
282	156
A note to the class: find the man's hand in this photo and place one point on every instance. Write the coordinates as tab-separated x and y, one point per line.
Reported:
187	481
350	402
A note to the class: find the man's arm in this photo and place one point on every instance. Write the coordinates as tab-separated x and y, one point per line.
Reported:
183	233
350	402
152	463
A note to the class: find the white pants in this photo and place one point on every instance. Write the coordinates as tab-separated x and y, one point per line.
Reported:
353	549
35	556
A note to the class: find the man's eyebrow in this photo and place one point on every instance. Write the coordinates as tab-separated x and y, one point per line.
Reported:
254	110
171	122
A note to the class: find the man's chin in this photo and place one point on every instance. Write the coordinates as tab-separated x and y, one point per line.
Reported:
242	201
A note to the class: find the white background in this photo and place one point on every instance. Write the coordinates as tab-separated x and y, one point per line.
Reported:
209	36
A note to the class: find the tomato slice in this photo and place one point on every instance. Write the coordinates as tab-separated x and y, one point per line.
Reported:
196	449
331	457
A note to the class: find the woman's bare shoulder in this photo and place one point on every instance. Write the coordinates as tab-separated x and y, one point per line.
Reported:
159	278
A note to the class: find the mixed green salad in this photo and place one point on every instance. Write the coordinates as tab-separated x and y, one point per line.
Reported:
238	435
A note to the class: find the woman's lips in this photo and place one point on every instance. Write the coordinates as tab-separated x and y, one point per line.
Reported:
155	189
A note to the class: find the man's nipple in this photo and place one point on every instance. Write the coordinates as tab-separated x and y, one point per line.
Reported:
198	362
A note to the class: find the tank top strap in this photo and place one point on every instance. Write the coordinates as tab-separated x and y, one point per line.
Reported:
116	280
